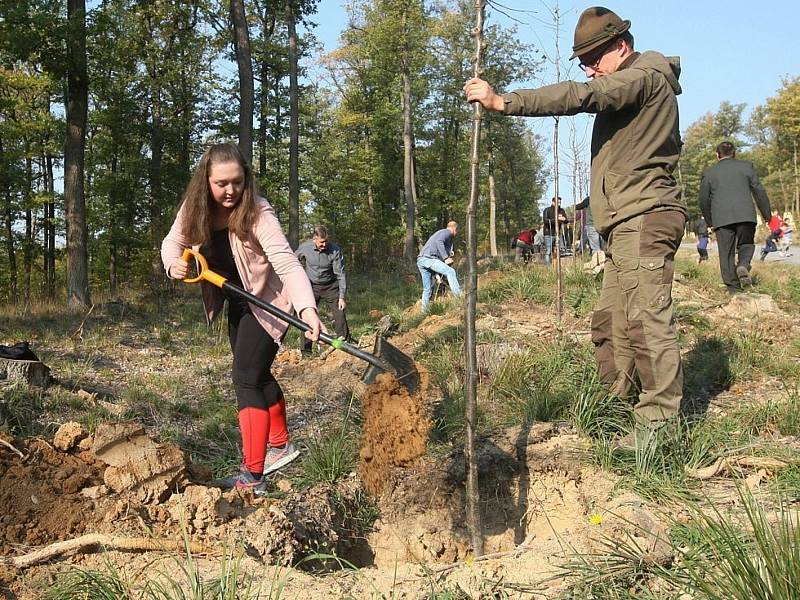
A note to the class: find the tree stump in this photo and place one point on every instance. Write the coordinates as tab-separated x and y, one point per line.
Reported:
33	371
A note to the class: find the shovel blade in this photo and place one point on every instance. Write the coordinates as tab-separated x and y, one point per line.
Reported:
397	363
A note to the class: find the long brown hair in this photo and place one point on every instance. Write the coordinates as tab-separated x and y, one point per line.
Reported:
197	201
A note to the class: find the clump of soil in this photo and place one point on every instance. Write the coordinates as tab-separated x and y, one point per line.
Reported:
40	497
395	432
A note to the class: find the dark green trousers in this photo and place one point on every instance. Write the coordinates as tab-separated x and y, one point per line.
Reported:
633	326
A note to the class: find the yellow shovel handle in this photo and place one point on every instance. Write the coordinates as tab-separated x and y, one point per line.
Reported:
203	273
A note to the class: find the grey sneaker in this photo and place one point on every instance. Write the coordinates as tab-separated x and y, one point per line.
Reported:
743	274
243	480
279	457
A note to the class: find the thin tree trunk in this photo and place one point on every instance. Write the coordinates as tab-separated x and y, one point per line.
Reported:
156	161
27	249
294	131
492	209
112	224
506	222
74	147
262	120
557	222
241	46
10	250
473	508
8	223
796	179
50	229
557	18
409	249
277	133
45	226
267	27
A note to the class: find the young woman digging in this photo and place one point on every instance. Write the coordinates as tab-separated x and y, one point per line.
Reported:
222	216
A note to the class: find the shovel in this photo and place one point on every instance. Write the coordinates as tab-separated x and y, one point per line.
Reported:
385	357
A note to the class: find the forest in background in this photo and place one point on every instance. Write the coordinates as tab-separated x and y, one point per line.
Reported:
123	96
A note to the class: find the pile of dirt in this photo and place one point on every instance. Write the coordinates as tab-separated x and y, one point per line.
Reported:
122	485
395	431
40	497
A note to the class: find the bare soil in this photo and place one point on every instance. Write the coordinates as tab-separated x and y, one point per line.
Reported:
395	430
541	499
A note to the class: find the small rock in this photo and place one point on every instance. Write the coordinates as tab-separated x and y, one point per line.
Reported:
68	435
284	485
94	492
91	397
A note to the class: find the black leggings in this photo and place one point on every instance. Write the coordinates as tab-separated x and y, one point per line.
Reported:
253	353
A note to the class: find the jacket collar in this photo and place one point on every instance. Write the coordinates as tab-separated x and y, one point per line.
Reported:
629	61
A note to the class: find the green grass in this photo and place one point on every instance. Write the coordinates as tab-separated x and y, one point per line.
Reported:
331	456
539	384
582	290
523	284
595	413
753	553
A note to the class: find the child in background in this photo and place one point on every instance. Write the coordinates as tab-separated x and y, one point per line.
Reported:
786	237
702	240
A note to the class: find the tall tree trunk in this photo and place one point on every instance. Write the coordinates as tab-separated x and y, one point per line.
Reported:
474	521
294	131
10	250
506	222
267	27
155	171
557	19
557	222
409	248
74	146
796	179
45	226
27	249
50	229
492	209
8	226
277	127
112	223
262	119
244	63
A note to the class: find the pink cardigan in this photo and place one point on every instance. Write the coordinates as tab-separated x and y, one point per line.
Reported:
266	264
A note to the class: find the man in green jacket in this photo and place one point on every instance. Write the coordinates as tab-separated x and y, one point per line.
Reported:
727	192
635	200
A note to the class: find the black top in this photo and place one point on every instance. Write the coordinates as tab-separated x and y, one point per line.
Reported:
549	219
217	252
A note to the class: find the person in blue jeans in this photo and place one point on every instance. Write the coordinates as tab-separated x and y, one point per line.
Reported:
436	257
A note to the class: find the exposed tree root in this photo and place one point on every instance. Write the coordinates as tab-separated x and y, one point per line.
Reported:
107	542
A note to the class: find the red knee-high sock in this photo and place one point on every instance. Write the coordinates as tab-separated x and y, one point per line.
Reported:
278	432
254	423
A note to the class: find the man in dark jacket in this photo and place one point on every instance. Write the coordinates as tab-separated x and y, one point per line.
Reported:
727	191
635	200
549	227
324	264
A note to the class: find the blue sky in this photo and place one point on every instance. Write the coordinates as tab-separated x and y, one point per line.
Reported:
736	50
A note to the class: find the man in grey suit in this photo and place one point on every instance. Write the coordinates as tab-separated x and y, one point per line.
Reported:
727	192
